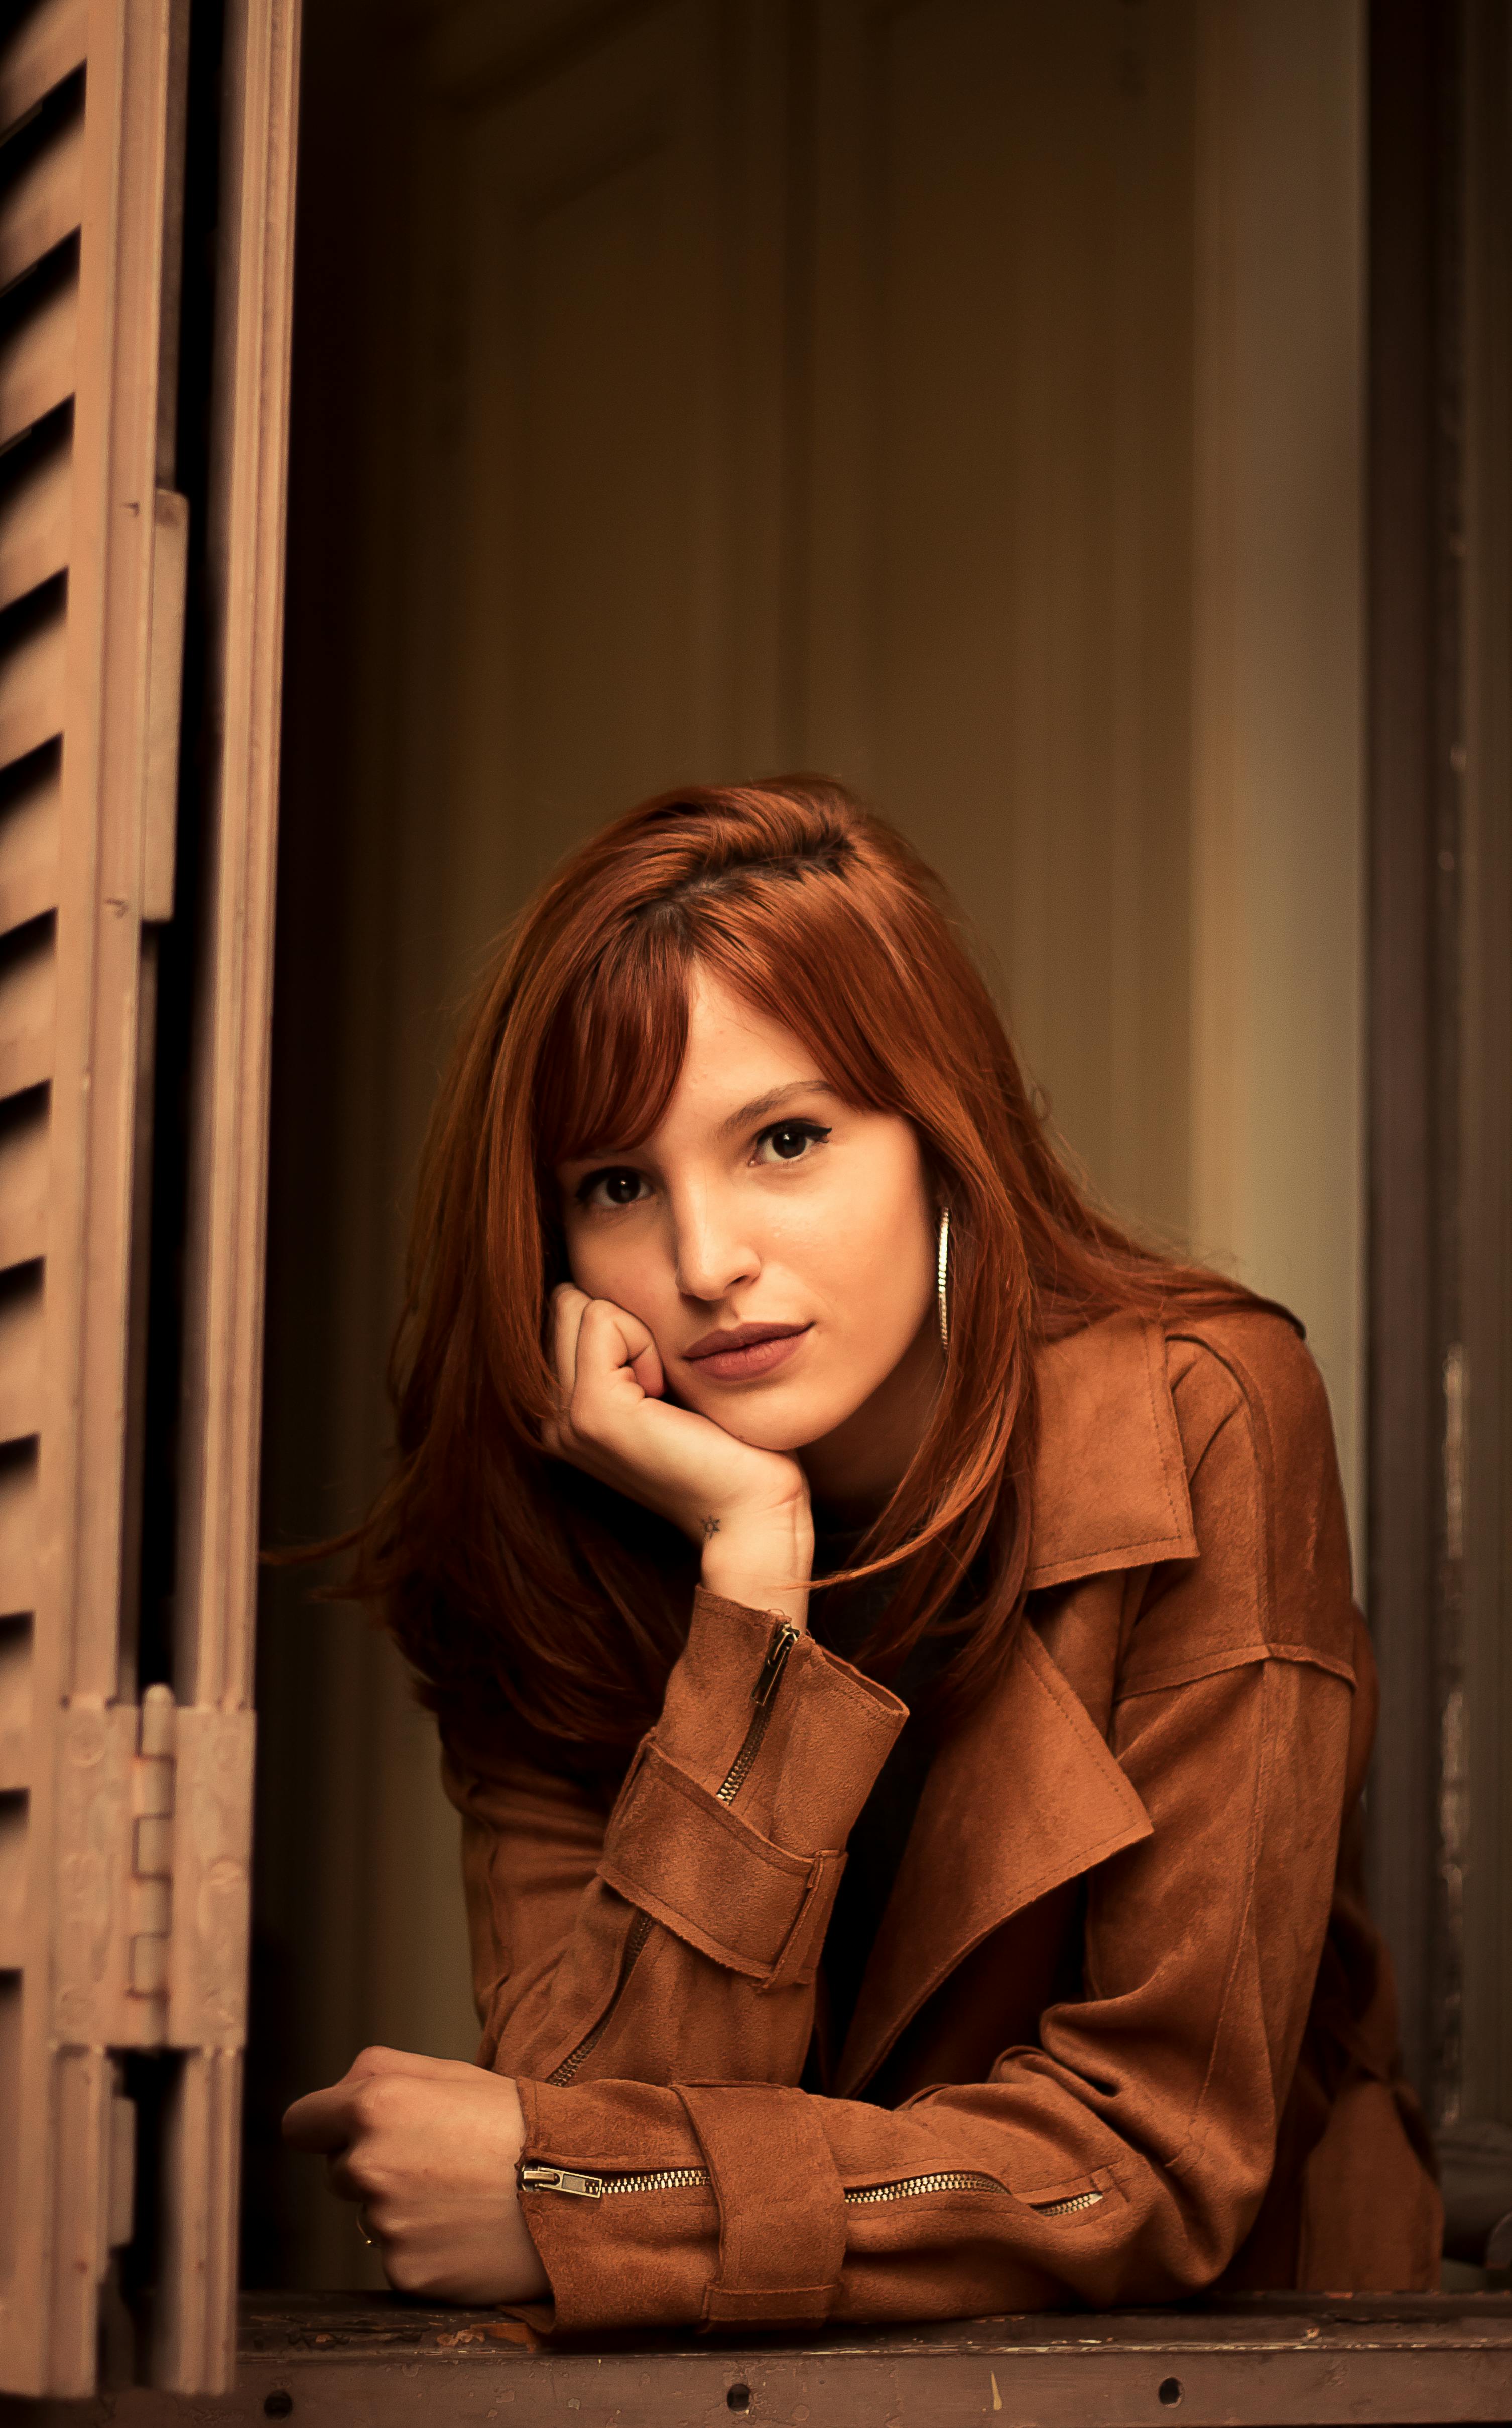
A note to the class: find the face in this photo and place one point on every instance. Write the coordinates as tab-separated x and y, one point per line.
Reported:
778	1243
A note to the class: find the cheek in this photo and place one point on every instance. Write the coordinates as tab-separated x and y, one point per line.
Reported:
872	1258
617	1265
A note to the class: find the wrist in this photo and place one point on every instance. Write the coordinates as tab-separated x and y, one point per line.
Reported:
764	1561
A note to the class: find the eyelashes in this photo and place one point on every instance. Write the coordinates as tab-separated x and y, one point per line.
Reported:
597	1189
808	1133
611	1174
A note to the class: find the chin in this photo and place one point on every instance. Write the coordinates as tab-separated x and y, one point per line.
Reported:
787	1429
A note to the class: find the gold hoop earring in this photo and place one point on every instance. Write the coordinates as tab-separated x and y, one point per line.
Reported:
941	1269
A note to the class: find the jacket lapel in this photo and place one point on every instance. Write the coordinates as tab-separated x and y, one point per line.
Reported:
1027	1794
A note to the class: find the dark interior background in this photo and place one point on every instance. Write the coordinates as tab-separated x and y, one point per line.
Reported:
1086	429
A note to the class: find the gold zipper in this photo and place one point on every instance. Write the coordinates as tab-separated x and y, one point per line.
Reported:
679	2179
953	2179
635	1938
783	1636
1065	2208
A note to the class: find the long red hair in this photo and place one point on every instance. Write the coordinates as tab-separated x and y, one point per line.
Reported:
512	1582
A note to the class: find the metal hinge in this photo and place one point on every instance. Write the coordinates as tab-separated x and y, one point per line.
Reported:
153	1880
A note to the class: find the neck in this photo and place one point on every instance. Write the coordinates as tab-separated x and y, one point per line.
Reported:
854	1472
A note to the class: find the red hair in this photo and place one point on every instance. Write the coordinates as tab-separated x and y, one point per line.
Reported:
506	1577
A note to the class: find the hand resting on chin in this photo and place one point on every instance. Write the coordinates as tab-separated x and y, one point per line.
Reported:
428	2149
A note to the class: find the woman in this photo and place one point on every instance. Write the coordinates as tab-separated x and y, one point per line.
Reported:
793	1462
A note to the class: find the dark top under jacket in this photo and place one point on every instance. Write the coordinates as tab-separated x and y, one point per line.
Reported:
842	1622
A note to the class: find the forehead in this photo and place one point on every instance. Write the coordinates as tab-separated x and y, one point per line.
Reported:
736	1054
729	1036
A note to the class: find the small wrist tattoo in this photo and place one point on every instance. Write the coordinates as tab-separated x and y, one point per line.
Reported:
711	1527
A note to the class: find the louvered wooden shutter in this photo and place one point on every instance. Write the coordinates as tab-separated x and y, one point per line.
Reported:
124	1821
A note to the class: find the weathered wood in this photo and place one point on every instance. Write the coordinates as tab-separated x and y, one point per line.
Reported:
1267	2362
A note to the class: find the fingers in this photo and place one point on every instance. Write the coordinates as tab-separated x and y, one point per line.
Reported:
646	1367
328	2119
568	1308
322	2120
610	1340
594	1342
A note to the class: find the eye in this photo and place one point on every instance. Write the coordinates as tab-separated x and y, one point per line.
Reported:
614	1187
789	1141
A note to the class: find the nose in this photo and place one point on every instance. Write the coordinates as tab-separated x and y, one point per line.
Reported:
713	1253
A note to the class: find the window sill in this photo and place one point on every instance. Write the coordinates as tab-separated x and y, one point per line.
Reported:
1262	2361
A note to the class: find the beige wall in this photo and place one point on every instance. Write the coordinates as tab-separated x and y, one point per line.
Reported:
1275	806
962	396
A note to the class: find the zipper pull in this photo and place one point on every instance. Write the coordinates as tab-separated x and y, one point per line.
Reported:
561	2179
784	1636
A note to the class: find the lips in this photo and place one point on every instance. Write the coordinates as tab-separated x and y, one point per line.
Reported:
743	1350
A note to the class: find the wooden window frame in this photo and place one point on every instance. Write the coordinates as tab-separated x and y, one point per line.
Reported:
1440	1077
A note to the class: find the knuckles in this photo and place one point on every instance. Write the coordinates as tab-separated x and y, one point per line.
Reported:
381	2102
374	2059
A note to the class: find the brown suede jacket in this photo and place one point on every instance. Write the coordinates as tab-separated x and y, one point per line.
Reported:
1127	2028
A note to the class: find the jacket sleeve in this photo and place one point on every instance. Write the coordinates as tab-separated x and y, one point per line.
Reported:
691	1917
1124	2157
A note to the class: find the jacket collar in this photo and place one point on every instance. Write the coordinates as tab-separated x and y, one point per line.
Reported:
1109	1476
1027	1795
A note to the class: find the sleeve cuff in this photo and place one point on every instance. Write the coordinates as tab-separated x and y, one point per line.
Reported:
718	2202
827	1730
730	1829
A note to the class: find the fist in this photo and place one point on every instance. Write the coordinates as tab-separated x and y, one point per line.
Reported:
428	2150
615	1422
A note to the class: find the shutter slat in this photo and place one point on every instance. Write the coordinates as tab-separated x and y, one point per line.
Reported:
37	361
13	1879
31	687
47	46
23	1207
35	513
28	848
18	1533
15	1705
42	205
27	1006
21	1354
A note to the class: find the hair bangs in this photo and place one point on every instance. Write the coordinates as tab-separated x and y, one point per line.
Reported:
800	950
613	1051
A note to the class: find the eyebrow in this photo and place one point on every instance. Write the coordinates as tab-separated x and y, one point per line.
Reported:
737	1121
774	1096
